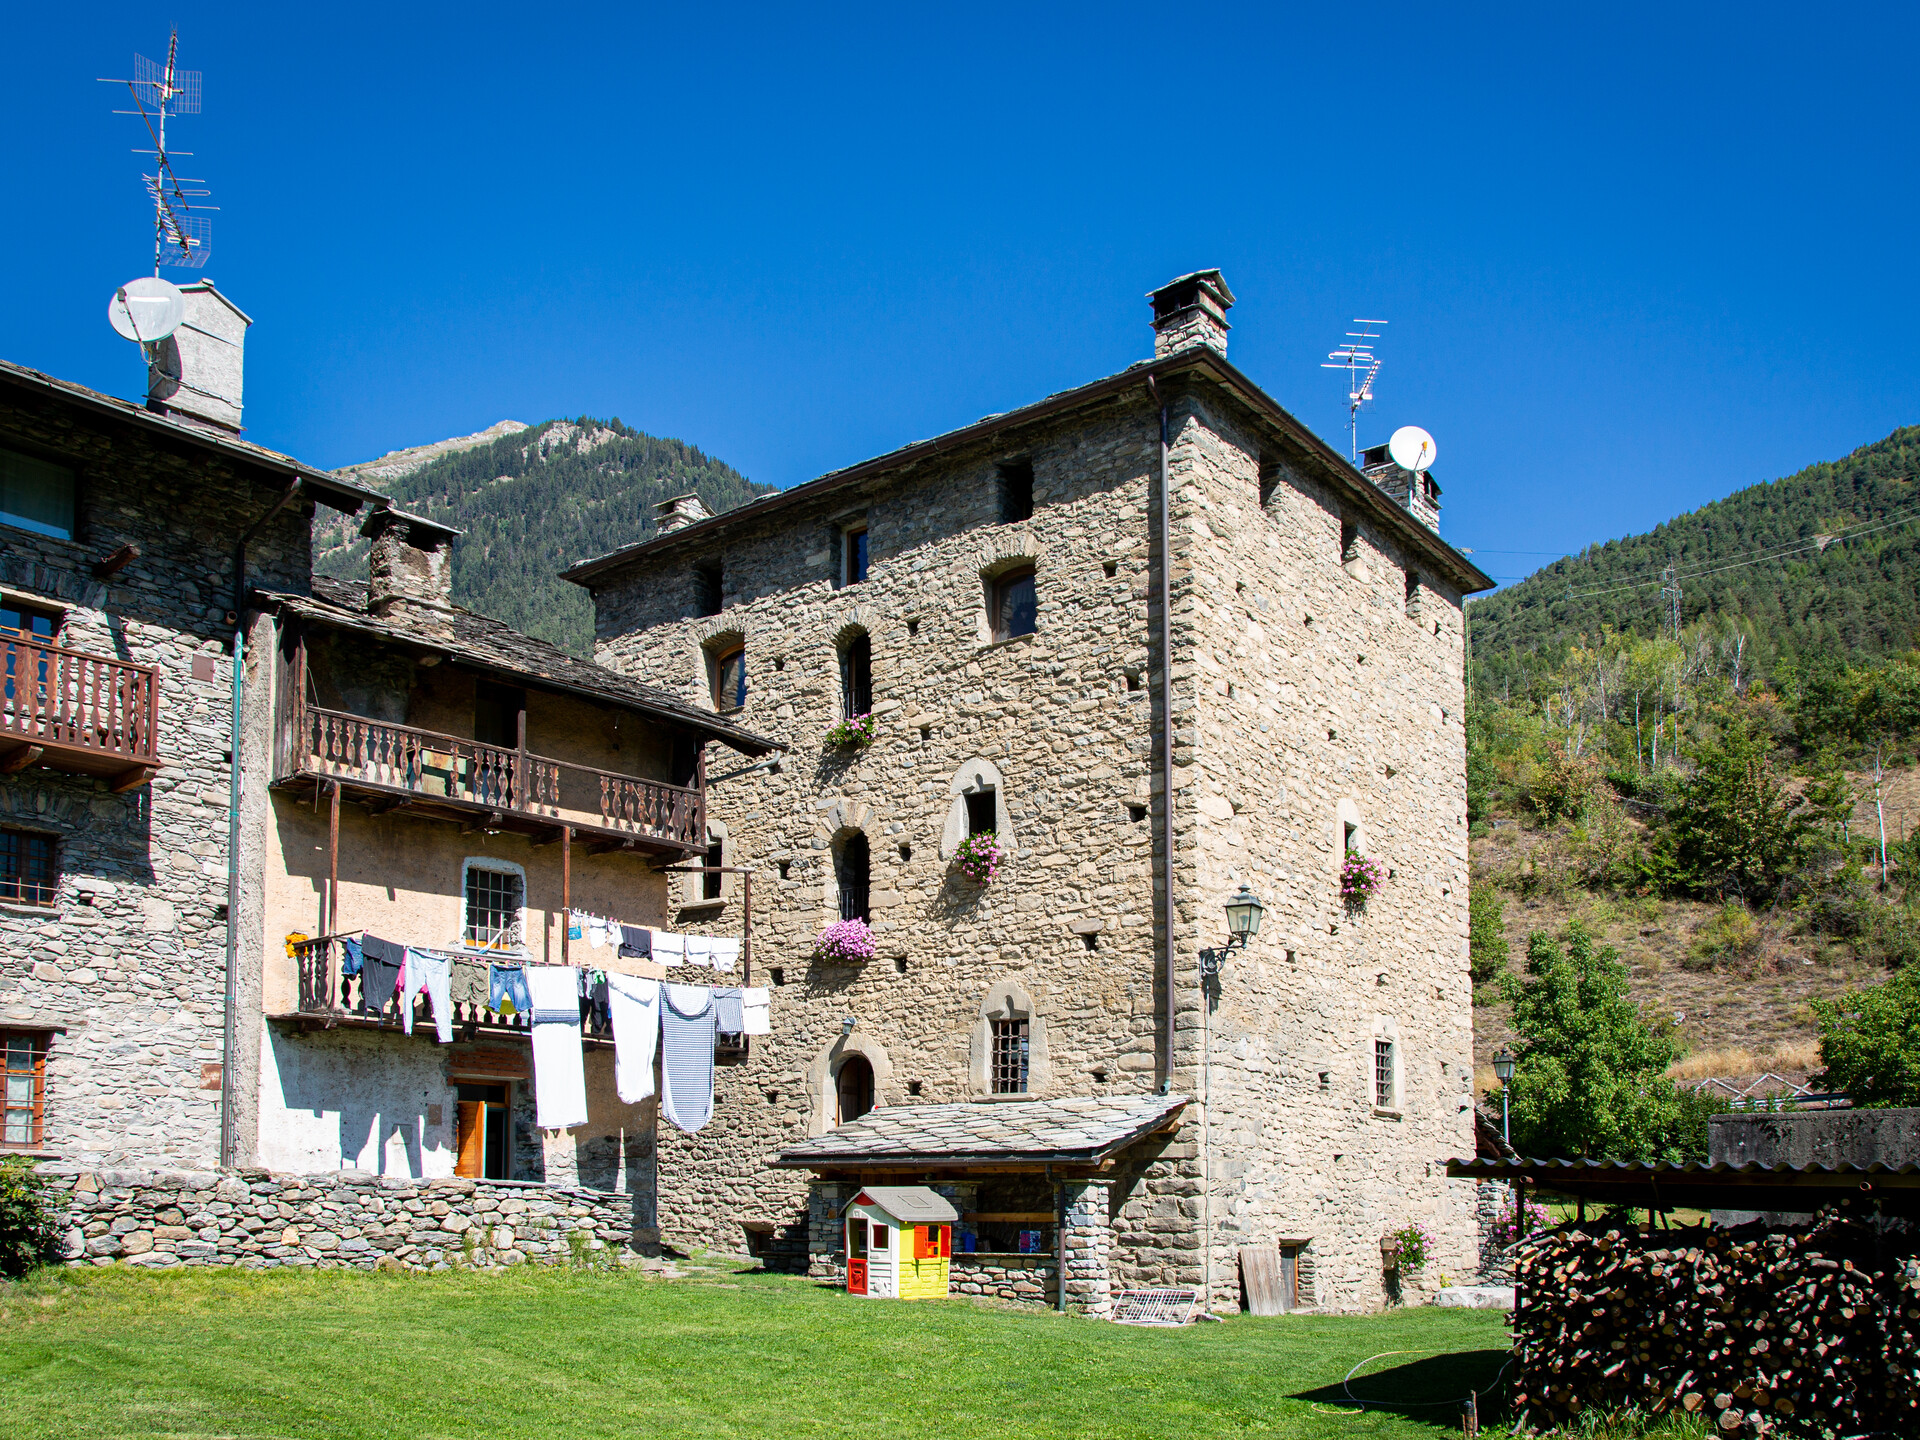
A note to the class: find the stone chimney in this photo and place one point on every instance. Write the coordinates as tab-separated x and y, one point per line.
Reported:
1416	492
194	374
680	511
410	563
1191	311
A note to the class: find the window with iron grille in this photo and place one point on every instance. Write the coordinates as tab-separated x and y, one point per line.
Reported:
1383	1074
855	876
856	677
494	900
23	1098
29	874
1009	1057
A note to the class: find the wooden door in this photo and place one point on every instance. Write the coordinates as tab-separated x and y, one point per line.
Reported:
471	1161
1262	1274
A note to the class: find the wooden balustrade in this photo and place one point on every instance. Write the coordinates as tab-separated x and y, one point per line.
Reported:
327	991
86	713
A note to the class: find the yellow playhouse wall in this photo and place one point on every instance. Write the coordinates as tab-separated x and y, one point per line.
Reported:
923	1279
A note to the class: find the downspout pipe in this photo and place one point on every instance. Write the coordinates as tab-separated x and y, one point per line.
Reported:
230	1038
1164	518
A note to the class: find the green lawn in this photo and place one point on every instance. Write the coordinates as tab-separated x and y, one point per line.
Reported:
215	1353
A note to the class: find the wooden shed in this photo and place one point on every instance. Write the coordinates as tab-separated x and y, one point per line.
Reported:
899	1242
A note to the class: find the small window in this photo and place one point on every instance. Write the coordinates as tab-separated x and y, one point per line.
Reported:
495	899
710	884
1383	1074
1349	542
880	1236
706	589
853	554
856	676
982	812
36	495
496	714
853	1087
730	678
29	872
855	874
28	622
25	1095
1009	1057
1413	595
1016	492
1269	480
1014	604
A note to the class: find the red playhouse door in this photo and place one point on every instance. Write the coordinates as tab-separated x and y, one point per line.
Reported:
856	1257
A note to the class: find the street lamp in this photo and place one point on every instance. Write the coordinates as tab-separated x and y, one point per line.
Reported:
1503	1065
1243	923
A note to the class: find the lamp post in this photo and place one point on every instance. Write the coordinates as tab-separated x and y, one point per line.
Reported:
1503	1064
1243	923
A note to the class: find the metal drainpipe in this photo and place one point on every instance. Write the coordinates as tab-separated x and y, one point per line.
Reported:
229	1039
1166	724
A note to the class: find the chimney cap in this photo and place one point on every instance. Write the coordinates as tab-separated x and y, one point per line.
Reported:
1202	287
679	512
425	533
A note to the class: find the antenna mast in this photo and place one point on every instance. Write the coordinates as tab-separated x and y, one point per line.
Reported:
182	231
1356	357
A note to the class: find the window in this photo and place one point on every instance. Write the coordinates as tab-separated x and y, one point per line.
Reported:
730	678
36	495
706	589
1383	1074
856	676
25	1095
496	714
854	873
1413	595
29	622
854	1087
1013	605
494	901
1269	479
982	812
481	1152
1349	542
1009	1072
1016	492
29	874
711	885
853	554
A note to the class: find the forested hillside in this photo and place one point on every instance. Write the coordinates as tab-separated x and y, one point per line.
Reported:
534	502
1818	563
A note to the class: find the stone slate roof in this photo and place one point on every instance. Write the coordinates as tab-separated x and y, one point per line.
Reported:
488	644
1078	1131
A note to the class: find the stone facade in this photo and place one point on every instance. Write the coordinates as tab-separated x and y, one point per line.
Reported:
259	1220
1316	703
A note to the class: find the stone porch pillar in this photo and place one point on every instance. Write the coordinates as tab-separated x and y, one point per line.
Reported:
826	1259
1089	1246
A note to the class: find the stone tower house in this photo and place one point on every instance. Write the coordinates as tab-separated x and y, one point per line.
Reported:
1000	600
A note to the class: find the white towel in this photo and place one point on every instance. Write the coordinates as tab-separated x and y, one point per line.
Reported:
559	1072
668	948
699	949
725	953
636	1031
597	933
756	1009
686	1055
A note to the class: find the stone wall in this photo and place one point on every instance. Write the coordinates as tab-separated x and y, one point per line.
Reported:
1026	1278
127	968
1315	683
256	1219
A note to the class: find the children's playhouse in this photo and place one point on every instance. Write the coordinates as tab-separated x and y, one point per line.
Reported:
899	1242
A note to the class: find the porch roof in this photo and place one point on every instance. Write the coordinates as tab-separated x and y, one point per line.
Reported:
1082	1130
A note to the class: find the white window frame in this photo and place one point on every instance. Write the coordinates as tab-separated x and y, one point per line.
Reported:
497	867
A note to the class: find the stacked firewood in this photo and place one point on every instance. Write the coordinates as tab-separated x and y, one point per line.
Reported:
1804	1333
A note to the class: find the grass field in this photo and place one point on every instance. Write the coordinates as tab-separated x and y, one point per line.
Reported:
109	1353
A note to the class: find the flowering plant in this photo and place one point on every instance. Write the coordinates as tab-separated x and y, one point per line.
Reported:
1411	1245
845	942
980	856
853	733
1520	1219
1360	877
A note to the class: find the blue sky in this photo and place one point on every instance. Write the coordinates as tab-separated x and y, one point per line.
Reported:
1633	259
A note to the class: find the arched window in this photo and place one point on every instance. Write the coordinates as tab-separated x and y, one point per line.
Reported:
853	1085
1012	604
728	664
854	873
856	676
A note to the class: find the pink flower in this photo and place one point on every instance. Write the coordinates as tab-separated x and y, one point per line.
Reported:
980	857
845	942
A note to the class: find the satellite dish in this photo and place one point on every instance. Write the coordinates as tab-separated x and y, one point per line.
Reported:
1411	448
147	309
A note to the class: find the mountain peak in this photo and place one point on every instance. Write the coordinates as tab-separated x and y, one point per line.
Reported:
396	464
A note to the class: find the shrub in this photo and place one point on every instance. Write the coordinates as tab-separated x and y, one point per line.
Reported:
1487	952
1415	1246
1731	935
856	732
1519	1219
845	942
30	1220
980	857
1870	1042
1564	785
1361	877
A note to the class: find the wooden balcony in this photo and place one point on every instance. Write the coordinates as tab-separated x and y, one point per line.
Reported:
402	768
84	714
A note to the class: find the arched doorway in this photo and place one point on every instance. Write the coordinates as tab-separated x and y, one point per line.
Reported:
853	1087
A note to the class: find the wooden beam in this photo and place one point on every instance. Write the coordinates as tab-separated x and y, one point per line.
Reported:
20	759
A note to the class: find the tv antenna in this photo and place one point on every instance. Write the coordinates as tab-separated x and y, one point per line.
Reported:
182	229
1356	357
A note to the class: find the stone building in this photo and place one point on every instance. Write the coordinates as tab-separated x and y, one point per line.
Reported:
1003	602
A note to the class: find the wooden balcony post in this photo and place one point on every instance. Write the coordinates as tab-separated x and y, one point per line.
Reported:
566	886
331	921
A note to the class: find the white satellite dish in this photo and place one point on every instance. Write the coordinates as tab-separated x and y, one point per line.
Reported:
147	309
1411	448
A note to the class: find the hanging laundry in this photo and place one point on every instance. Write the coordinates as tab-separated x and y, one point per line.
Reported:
636	942
668	948
599	1001
350	958
600	933
433	974
756	1010
559	1070
726	1010
469	986
699	949
725	952
575	929
507	990
636	1032
686	1055
381	963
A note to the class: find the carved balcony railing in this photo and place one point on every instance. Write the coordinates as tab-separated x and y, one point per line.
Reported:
87	714
441	769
